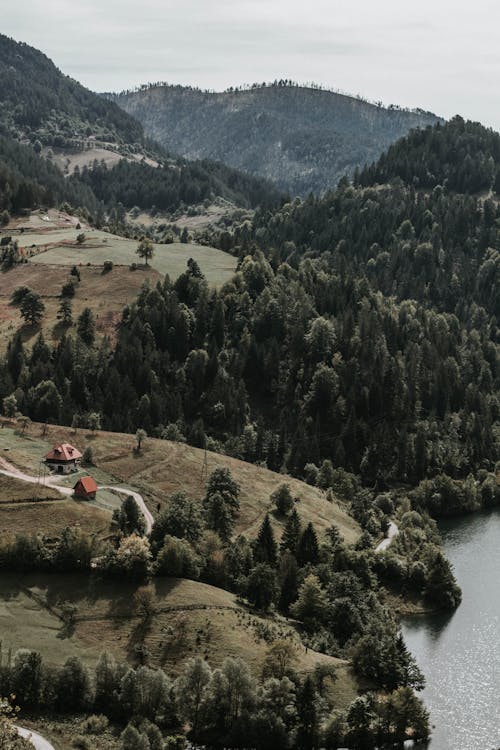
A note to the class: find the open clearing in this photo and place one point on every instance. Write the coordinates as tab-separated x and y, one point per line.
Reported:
190	618
48	242
106	294
165	467
58	246
31	509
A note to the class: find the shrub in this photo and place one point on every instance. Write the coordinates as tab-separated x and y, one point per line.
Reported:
282	498
87	457
95	724
82	743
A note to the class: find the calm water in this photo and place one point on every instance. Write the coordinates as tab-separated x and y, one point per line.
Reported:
460	655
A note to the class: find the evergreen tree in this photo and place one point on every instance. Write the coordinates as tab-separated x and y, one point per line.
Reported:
291	533
308	548
265	547
86	326
308	719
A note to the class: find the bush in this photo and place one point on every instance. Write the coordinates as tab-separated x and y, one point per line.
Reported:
282	498
95	724
82	743
88	457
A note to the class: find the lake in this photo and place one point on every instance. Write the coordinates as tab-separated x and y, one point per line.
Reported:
460	653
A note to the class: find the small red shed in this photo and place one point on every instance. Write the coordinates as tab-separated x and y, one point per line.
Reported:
85	488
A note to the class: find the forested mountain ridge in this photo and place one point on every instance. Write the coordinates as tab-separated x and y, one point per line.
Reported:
38	100
361	329
462	156
302	138
46	114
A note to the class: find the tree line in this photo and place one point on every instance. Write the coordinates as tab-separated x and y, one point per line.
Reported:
222	707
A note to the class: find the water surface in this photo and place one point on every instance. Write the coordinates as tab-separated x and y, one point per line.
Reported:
460	653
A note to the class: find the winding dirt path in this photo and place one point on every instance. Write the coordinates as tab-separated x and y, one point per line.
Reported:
39	742
9	470
392	532
148	517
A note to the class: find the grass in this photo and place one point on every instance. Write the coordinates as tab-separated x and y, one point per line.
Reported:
51	517
164	467
190	619
15	491
29	508
59	247
49	242
106	294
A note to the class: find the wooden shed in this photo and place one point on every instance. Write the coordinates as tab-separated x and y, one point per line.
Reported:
85	488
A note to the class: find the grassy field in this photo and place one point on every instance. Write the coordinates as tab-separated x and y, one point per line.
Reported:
15	491
54	246
165	467
29	508
190	618
106	294
48	241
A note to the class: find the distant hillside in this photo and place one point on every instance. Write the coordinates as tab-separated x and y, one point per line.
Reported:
461	155
38	99
302	138
47	114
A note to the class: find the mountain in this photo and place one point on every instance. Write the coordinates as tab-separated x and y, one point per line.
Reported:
302	138
37	99
47	118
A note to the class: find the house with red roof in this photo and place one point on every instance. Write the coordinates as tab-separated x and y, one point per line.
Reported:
63	458
85	489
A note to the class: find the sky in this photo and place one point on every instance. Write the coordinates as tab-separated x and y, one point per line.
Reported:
441	55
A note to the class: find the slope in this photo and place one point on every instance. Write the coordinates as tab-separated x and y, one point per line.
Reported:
37	98
164	467
303	138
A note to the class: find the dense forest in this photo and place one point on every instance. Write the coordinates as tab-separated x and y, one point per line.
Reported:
178	182
28	180
463	157
40	102
303	138
363	332
45	112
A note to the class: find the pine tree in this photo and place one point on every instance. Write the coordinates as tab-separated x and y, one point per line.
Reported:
308	717
291	533
266	550
86	326
64	313
308	548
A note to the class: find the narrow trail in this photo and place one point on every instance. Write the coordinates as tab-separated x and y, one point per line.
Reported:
9	470
148	517
39	742
392	532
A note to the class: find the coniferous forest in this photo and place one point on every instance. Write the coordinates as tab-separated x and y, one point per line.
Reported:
355	348
360	328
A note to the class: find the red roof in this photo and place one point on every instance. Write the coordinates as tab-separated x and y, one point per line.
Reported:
87	483
63	452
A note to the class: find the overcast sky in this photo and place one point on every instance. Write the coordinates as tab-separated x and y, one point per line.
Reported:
442	55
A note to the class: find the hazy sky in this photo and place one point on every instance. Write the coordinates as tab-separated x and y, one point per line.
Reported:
442	55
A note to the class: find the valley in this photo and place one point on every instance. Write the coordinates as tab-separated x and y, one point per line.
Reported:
258	413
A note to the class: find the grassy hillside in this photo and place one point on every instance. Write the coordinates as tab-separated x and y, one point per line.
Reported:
52	250
190	618
165	467
302	138
62	249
